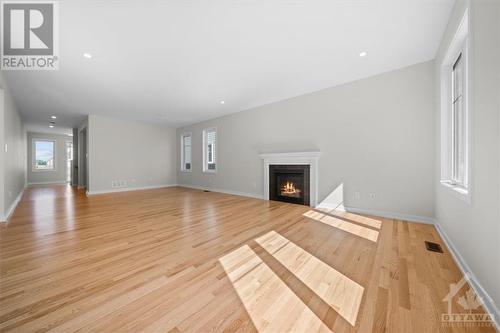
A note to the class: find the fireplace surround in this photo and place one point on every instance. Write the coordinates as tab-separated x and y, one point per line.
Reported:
309	159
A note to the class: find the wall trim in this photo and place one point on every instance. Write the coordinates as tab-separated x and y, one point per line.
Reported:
213	189
488	302
392	215
12	207
128	189
49	183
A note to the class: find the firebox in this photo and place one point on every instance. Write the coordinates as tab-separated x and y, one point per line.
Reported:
289	183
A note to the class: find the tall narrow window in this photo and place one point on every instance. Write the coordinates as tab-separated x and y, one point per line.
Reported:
69	160
210	150
456	113
44	155
186	152
459	128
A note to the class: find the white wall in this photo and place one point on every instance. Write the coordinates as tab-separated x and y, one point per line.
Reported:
140	154
474	228
2	153
58	175
15	138
376	136
13	166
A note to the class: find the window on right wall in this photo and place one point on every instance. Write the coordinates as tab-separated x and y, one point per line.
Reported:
455	115
458	126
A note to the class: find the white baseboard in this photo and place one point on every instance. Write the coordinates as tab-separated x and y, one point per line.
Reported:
213	189
392	215
49	183
12	207
128	189
488	302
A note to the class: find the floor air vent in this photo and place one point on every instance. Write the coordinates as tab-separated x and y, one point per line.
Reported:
206	191
434	247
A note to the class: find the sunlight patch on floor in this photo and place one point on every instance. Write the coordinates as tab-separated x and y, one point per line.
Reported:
337	290
342	213
349	227
333	204
271	305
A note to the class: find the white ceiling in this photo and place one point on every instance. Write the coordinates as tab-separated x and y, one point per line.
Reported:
172	62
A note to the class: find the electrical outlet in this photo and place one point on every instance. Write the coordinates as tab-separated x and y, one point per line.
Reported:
118	183
357	195
372	196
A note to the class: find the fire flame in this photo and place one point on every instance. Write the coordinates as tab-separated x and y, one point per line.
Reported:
289	188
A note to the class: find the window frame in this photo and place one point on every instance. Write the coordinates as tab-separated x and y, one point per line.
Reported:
458	49
183	157
205	150
33	155
457	178
69	160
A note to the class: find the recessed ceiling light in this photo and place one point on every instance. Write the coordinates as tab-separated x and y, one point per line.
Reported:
363	54
87	55
222	102
51	126
53	117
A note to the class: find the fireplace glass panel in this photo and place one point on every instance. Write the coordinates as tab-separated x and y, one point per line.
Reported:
290	185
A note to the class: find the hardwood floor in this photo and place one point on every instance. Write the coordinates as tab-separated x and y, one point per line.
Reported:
181	260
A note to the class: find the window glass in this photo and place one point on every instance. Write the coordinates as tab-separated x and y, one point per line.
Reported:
44	155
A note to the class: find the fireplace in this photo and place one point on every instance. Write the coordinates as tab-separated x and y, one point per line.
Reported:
292	161
289	183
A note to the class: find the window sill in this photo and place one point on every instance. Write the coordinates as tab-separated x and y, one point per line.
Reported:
188	171
210	171
43	170
457	191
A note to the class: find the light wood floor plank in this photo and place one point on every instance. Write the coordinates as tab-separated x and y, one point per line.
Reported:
181	260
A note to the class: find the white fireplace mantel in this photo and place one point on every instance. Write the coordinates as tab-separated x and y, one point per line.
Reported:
308	158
